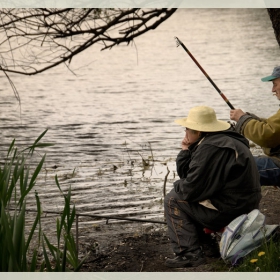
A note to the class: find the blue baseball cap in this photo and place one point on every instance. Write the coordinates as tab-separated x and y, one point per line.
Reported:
275	74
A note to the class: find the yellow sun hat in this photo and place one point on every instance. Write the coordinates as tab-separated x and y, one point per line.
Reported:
203	118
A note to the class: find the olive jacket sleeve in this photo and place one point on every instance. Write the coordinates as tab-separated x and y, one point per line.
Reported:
263	132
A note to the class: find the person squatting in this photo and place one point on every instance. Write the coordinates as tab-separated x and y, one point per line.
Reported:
219	181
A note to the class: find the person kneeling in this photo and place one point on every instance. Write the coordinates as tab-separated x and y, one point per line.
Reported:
219	181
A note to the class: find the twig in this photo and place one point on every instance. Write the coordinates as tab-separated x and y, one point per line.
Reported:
100	257
265	193
96	259
151	151
145	163
107	217
142	266
165	180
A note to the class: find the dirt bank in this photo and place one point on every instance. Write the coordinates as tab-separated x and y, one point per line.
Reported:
146	251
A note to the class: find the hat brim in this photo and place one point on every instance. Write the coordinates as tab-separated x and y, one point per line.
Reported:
204	127
268	78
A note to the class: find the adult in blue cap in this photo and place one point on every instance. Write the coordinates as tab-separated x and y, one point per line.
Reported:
265	133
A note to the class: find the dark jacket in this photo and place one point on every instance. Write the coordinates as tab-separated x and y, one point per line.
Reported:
220	168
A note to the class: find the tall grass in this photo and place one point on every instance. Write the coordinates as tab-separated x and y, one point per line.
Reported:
17	179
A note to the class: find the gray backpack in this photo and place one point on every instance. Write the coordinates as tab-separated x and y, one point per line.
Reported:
243	235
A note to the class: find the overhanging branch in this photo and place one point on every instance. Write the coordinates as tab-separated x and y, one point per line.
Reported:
35	40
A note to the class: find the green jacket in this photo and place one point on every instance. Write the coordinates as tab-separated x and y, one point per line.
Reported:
263	132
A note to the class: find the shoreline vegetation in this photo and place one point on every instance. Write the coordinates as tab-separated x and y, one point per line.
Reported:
31	248
16	182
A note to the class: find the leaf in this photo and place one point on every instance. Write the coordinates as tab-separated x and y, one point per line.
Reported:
12	264
18	234
11	148
72	251
58	230
47	261
35	223
34	261
40	137
63	264
34	176
81	263
52	248
72	218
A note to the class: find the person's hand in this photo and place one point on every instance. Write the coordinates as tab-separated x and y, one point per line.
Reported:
185	143
236	114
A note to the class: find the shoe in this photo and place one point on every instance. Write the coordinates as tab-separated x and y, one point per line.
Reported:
188	259
211	250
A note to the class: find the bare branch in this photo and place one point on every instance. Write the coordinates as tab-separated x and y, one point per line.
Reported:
35	40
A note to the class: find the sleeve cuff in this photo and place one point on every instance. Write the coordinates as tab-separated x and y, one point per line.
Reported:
239	127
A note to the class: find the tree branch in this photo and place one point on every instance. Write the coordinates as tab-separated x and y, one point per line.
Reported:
35	40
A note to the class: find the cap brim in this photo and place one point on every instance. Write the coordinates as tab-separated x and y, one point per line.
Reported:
269	78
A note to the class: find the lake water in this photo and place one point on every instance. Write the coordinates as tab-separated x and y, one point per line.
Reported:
121	105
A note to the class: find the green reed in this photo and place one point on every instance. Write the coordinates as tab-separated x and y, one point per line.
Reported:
16	182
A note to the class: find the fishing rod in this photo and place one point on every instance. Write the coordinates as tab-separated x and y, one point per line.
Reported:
206	75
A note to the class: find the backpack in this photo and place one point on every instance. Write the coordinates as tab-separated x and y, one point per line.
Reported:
243	235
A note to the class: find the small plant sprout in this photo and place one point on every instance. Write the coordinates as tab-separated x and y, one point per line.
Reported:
100	172
257	269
